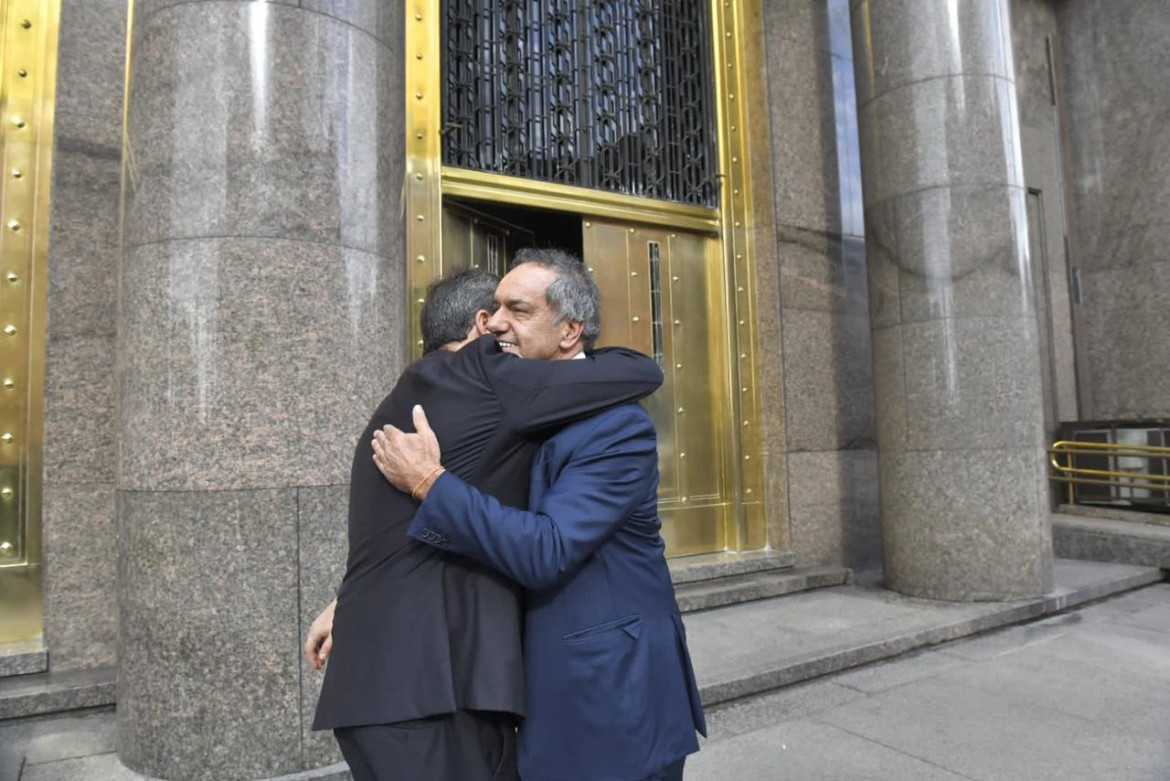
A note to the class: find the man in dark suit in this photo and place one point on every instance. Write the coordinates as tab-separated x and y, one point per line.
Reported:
611	692
425	679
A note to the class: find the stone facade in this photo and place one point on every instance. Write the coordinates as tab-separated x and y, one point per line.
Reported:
922	333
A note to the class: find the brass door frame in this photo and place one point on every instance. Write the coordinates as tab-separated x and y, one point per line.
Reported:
740	224
28	58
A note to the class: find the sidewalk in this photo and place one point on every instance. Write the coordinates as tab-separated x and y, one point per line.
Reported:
1081	695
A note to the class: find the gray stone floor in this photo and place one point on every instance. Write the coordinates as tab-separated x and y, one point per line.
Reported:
1079	695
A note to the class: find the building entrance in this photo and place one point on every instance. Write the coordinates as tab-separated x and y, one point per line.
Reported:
661	293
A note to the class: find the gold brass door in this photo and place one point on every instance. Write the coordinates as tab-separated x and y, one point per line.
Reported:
28	54
662	293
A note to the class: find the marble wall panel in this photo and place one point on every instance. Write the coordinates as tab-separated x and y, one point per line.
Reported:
83	268
834	507
81	439
828	381
942	544
1117	118
822	272
321	520
91	66
804	154
283	136
252	362
208	646
827	375
1116	114
925	39
771	384
1033	21
81	555
1126	317
87	134
938	133
80	434
1064	357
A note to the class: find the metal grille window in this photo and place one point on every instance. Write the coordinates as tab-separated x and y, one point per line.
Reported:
613	95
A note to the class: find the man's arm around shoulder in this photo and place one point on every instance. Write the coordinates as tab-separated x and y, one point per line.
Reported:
613	469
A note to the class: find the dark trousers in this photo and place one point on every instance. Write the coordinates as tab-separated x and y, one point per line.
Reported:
460	746
669	773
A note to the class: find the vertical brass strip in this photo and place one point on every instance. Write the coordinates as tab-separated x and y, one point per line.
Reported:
422	190
27	98
737	204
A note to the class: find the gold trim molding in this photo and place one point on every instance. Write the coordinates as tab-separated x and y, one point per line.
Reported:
578	200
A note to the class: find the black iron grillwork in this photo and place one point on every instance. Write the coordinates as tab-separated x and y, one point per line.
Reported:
614	95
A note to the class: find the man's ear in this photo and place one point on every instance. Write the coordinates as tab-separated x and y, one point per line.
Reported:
571	334
481	321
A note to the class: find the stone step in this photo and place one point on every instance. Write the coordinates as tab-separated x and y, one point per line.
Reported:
23	658
735	589
754	647
39	694
1115	513
711	566
1100	539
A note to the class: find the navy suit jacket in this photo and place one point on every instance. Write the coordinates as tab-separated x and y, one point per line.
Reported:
611	692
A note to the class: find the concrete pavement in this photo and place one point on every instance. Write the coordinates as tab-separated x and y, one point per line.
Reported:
1081	695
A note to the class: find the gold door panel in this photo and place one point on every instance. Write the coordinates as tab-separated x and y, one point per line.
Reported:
28	52
661	294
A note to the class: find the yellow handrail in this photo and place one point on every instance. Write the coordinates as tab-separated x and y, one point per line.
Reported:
1073	475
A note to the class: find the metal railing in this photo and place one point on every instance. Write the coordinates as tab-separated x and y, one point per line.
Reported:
1151	479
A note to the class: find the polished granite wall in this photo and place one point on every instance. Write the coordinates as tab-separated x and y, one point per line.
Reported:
1033	33
1117	114
827	372
80	417
261	320
956	351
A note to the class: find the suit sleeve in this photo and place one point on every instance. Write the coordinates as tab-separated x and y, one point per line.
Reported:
592	496
538	395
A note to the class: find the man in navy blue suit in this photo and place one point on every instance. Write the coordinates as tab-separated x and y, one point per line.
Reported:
611	692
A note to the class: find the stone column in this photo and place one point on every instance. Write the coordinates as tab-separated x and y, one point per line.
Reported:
261	319
955	341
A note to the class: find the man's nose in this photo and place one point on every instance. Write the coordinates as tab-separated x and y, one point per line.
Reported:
496	324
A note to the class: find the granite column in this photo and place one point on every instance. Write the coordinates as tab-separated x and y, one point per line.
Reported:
260	321
955	341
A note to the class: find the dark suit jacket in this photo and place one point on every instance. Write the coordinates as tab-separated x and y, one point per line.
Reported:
418	632
611	692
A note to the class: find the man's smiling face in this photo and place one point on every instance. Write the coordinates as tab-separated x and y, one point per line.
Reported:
524	324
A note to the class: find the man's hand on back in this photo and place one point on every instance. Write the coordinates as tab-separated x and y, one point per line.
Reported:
319	643
411	462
